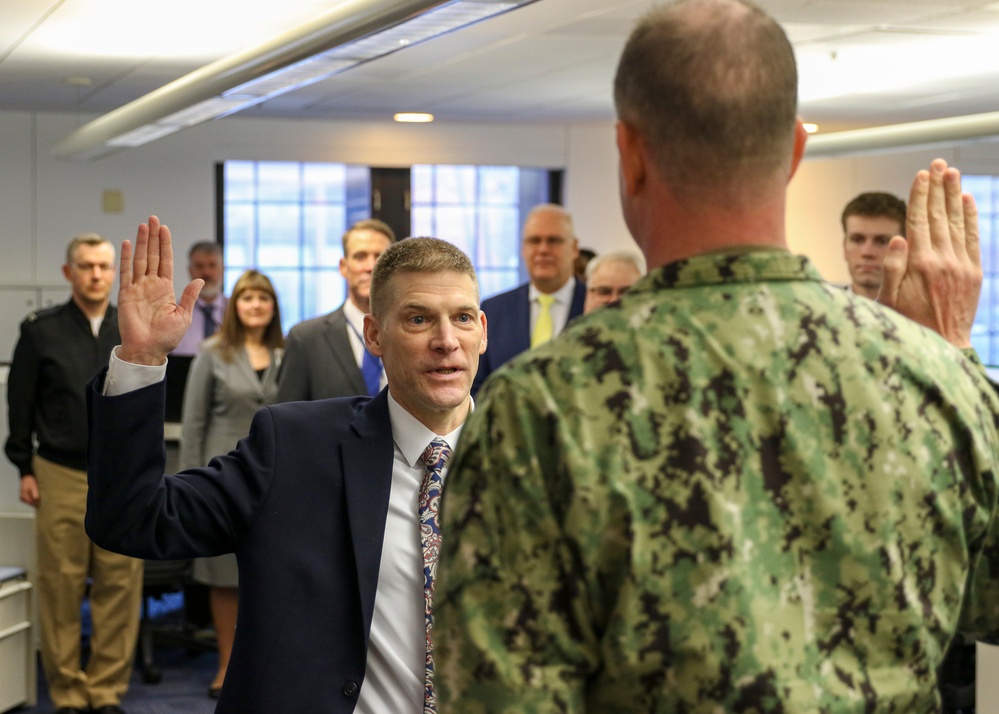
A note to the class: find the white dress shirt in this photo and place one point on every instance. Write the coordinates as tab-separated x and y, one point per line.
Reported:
560	308
397	645
394	677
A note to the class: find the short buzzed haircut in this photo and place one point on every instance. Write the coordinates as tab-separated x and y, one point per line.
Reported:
84	239
368	224
875	204
416	255
712	88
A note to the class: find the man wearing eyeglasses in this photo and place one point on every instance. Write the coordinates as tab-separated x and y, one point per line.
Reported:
58	350
609	276
535	312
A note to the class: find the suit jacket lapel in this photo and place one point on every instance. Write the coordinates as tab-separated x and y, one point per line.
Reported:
242	362
578	300
339	343
367	473
523	312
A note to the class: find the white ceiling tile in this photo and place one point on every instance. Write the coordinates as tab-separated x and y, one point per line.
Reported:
550	61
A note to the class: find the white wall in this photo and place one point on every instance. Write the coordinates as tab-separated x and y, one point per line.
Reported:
591	192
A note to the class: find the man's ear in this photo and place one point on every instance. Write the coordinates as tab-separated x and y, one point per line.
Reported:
631	152
800	138
372	335
485	333
66	272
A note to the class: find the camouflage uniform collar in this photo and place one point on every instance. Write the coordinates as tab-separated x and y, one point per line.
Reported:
740	265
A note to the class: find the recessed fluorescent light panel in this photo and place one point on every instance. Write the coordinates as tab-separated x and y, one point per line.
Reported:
303	57
413	117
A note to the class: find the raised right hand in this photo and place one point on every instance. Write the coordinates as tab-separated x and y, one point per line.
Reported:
934	274
151	321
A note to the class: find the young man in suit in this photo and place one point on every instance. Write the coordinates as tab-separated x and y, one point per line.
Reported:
869	222
325	356
325	503
533	313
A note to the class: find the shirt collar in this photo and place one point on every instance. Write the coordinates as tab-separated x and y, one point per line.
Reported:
562	296
354	316
411	436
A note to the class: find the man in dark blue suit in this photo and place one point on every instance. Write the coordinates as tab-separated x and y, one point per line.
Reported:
324	503
538	310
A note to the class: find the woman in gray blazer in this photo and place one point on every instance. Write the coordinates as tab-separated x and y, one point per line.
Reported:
233	375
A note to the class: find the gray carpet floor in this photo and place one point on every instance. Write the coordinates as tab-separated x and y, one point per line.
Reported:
183	688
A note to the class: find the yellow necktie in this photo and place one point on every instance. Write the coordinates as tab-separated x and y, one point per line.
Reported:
543	328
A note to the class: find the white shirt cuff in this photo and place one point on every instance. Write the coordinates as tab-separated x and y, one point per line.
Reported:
124	377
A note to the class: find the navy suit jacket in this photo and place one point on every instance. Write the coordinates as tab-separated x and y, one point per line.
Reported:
319	362
302	501
509	319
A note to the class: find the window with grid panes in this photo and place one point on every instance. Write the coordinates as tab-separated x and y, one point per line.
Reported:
287	219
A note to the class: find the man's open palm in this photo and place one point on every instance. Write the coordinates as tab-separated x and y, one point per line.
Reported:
150	319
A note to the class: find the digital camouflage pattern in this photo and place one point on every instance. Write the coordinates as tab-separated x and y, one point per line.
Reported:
741	489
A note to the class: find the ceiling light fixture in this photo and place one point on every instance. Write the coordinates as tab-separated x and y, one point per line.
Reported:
933	132
413	117
350	34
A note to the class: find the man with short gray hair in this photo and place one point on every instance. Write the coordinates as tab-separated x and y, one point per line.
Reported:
205	261
609	276
533	313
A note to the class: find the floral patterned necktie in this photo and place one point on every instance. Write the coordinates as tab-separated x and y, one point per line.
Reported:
435	457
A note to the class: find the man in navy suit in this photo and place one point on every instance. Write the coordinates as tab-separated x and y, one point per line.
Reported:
325	356
319	502
538	310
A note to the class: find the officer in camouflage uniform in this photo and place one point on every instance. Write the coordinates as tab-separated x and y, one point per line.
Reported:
739	488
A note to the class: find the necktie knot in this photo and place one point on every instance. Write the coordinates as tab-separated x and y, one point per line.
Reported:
436	455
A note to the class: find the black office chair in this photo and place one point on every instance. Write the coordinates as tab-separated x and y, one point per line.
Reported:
160	578
957	678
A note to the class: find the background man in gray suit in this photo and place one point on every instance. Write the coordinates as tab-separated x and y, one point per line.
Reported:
325	356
